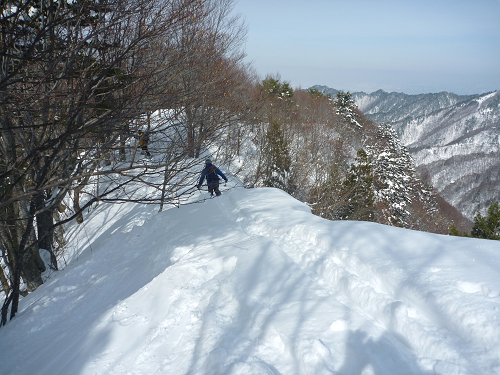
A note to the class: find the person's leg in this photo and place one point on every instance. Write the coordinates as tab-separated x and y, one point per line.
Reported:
217	191
211	189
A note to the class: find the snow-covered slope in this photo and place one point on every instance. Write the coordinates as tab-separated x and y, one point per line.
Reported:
252	283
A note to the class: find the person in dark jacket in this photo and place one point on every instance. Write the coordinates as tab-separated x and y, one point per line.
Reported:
211	173
144	142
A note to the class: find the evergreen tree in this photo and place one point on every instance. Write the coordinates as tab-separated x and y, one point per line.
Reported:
315	93
358	189
276	88
453	231
352	198
346	107
488	227
344	100
395	174
278	159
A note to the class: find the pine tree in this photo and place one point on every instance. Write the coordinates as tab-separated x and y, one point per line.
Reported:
358	189
352	198
315	93
278	159
488	227
344	100
453	231
395	173
346	107
276	88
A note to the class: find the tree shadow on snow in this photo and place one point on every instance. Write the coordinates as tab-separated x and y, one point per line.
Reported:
266	300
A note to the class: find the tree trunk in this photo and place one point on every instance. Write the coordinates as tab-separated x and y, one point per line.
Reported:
24	263
191	132
59	230
76	205
164	186
45	223
5	309
32	268
4	282
15	293
198	141
123	155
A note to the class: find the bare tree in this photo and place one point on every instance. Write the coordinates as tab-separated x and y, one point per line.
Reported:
72	77
212	52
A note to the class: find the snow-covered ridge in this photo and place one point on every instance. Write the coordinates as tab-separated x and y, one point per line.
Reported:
485	97
253	283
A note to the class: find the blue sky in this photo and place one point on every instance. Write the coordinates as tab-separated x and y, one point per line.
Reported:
416	46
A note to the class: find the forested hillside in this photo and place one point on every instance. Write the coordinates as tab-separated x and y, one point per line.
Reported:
454	140
458	147
325	152
101	99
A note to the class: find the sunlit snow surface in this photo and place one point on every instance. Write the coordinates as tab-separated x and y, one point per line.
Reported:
253	283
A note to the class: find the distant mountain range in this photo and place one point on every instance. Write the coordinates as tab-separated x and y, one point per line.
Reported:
454	140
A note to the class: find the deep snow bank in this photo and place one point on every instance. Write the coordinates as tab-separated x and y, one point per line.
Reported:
252	283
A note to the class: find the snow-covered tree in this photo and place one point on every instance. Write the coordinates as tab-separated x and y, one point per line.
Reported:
402	198
346	106
394	171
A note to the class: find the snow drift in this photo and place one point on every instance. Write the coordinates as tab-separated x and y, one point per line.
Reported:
253	283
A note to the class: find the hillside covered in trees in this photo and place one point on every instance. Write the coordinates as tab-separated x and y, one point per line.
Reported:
89	88
453	139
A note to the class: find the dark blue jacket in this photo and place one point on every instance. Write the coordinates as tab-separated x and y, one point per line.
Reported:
212	178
